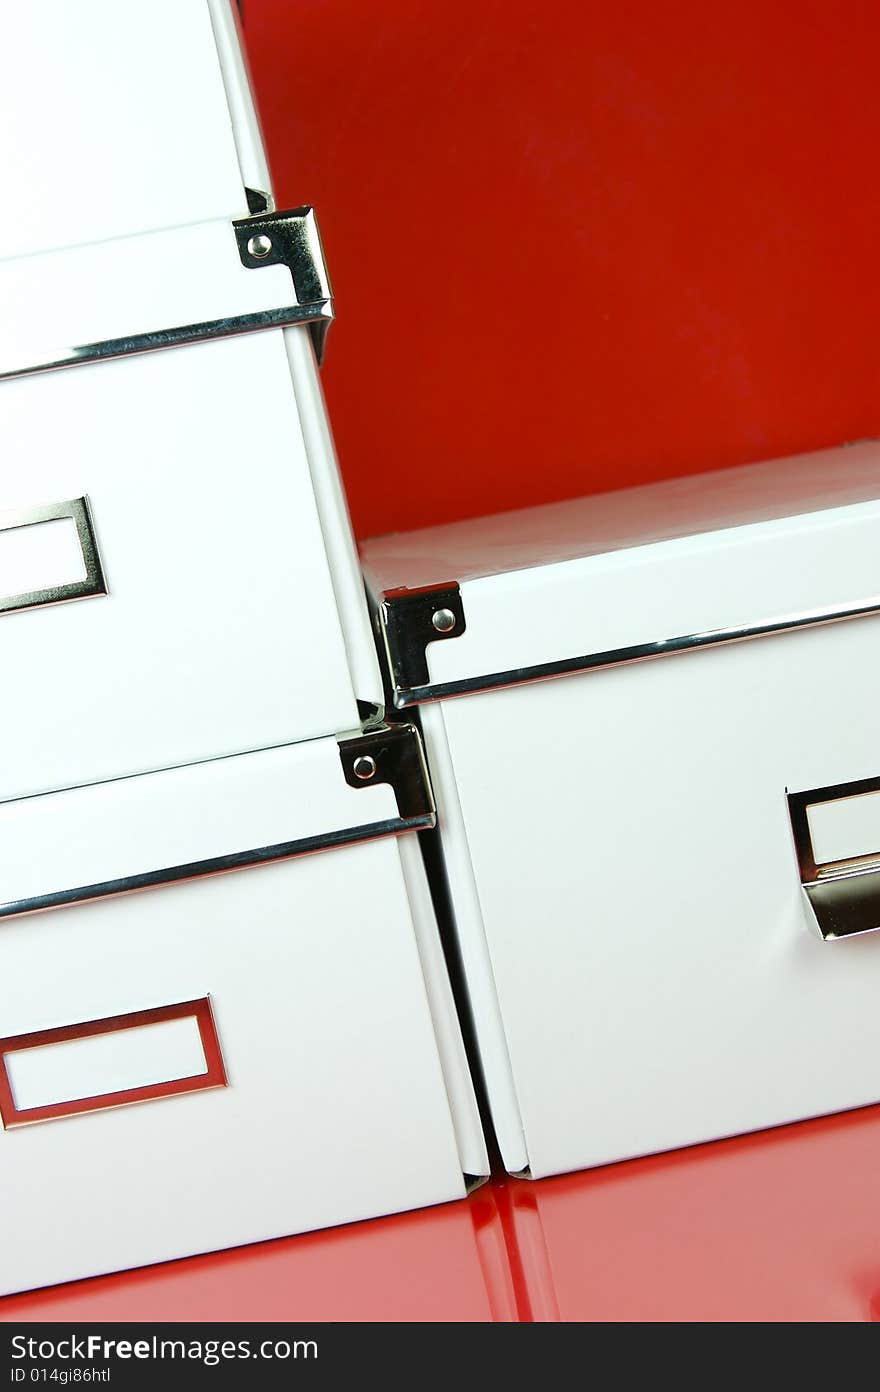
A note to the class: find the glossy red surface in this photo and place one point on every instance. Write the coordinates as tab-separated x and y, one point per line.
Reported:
578	244
779	1226
446	1263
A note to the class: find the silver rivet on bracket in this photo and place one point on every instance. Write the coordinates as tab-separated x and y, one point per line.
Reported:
260	246
364	767
443	620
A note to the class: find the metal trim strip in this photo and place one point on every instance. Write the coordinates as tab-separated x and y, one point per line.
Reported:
216	865
173	338
405	697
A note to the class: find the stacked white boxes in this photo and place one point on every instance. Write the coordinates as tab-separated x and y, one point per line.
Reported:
260	1041
650	720
652	725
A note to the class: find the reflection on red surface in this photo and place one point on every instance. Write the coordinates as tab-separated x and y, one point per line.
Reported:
446	1263
533	1282
780	1226
575	244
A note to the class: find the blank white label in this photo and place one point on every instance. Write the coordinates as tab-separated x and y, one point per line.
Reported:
846	828
40	556
102	1063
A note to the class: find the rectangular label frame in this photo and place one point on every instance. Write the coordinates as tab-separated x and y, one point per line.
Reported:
77	511
215	1075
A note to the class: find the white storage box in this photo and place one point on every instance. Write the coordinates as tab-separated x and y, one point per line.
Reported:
166	465
662	871
223	1057
205	615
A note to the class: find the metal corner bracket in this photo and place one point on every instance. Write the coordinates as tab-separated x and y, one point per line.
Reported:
408	621
292	239
392	755
266	238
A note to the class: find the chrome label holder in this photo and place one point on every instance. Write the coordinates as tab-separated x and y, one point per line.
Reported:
213	1076
843	895
77	511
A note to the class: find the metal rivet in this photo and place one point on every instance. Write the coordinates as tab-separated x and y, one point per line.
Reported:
260	246
443	620
364	766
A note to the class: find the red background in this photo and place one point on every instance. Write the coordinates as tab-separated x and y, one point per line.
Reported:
579	245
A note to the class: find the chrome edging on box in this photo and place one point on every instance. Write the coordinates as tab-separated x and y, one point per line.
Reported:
287	238
387	754
405	697
216	865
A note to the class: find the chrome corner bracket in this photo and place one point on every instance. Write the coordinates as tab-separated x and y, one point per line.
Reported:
291	239
392	755
266	238
408	621
843	895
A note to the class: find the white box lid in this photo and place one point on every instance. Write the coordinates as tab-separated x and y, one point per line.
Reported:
161	828
640	572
